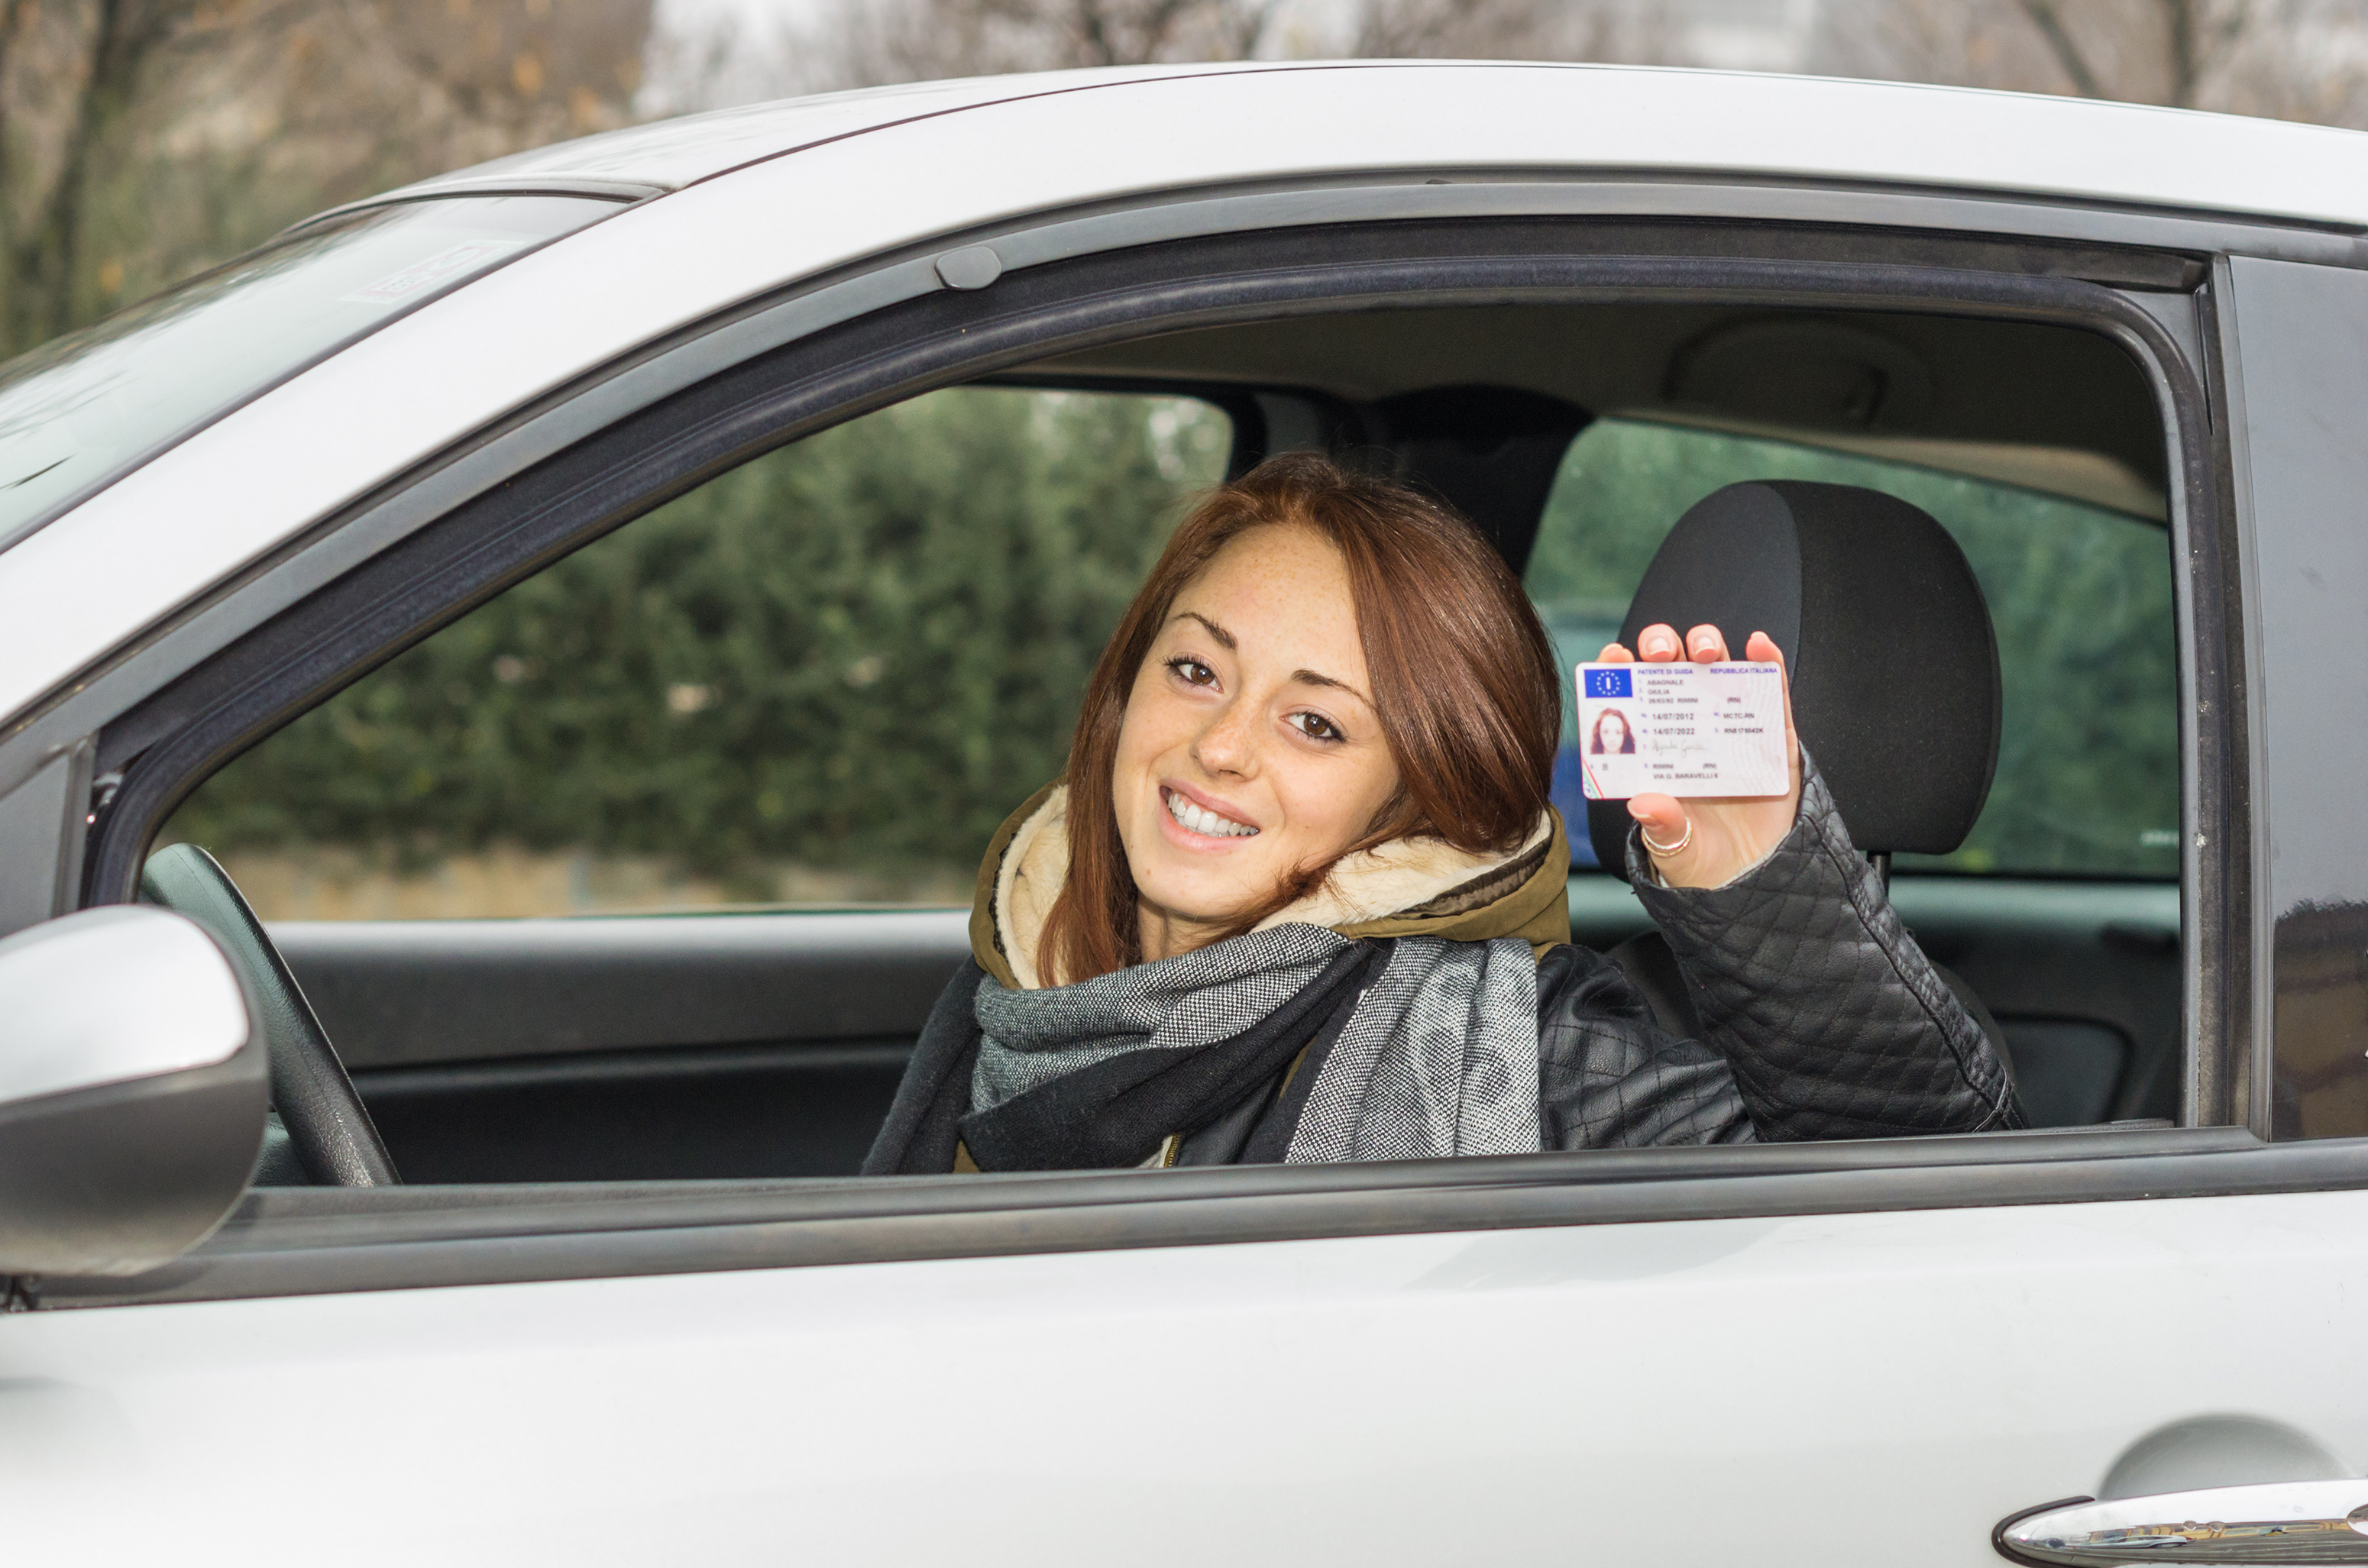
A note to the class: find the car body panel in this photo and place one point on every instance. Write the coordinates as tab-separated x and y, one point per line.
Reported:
141	550
1645	1393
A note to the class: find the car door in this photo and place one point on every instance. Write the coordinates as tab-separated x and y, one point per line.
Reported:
1649	1390
1814	1354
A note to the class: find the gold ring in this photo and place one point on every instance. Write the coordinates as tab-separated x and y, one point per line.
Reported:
1683	839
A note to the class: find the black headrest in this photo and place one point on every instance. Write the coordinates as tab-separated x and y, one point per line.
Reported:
1894	666
1493	453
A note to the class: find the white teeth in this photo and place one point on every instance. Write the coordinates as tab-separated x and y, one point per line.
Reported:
1207	823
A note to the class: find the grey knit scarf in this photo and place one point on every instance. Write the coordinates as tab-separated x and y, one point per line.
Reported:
1438	1057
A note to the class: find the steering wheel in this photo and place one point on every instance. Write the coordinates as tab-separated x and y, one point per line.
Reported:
331	1133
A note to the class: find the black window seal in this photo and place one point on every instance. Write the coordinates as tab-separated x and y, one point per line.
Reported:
2218	663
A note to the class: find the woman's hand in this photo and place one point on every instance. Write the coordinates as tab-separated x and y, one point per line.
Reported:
1708	843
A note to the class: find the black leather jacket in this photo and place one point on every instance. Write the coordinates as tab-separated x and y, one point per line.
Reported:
1819	1016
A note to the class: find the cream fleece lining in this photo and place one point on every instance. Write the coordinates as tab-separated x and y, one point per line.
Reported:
1389	878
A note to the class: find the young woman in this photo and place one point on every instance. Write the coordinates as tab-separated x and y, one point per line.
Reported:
1300	896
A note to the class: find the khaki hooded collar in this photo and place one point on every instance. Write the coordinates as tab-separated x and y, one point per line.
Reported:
1409	887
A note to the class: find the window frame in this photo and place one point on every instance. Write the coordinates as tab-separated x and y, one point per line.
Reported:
384	594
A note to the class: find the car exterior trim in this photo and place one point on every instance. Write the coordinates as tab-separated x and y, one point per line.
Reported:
2246	1092
619	190
293	1242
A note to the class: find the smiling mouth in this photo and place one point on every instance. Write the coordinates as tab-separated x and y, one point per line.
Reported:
1207	824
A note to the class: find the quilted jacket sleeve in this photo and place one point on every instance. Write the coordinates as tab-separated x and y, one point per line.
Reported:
1609	1078
1832	1018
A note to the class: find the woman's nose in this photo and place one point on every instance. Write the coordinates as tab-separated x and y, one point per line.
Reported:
1226	745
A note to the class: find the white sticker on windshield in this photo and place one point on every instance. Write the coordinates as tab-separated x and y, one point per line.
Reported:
1682	729
442	267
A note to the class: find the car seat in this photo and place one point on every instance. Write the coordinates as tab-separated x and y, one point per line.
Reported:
1893	665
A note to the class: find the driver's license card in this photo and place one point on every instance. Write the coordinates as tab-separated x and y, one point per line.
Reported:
1682	729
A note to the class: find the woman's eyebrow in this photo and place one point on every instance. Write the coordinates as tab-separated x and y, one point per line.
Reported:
1224	638
1315	677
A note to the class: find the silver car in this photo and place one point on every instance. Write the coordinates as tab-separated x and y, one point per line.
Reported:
628	1302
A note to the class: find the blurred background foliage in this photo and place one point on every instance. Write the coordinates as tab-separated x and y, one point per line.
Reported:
141	141
855	656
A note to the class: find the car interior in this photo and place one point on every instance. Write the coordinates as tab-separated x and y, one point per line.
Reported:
2003	740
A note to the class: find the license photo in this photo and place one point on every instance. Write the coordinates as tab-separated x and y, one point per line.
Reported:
1682	729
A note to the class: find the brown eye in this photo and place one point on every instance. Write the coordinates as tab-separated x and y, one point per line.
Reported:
1317	727
1192	671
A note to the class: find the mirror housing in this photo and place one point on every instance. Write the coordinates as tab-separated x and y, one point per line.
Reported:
134	1084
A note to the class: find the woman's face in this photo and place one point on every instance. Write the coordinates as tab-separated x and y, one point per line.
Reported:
1615	730
1251	747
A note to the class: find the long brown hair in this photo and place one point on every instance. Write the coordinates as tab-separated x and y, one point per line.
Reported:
1463	679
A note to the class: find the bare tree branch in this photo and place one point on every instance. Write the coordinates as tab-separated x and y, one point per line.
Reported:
15	17
2290	59
2050	23
2185	48
1246	32
142	139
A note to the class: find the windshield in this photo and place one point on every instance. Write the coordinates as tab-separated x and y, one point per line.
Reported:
81	410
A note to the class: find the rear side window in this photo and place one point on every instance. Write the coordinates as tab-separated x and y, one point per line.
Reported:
822	678
2088	774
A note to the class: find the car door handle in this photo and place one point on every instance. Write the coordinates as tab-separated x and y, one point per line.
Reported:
2301	1521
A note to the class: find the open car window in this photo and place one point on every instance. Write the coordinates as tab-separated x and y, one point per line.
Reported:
2079	593
799	698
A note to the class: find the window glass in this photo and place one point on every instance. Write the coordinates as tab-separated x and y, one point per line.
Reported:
80	409
2088	774
824	677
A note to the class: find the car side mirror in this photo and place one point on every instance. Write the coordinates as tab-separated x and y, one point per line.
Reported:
134	1084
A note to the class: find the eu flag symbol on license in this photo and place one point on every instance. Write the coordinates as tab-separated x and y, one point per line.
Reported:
1607	683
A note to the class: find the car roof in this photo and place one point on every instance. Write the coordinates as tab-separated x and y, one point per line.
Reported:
1714	121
